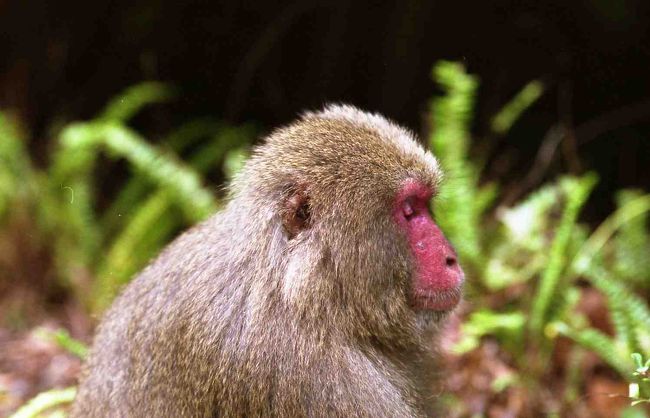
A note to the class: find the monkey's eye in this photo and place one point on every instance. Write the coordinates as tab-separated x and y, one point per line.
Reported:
407	209
302	213
413	207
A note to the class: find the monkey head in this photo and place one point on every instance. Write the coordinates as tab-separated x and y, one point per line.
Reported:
352	198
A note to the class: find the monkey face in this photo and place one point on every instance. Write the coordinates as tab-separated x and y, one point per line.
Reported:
436	277
352	192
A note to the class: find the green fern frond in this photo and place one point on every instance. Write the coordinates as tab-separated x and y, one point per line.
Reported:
182	182
630	210
456	209
132	100
452	113
138	186
226	140
632	244
485	197
46	401
16	171
526	222
484	322
631	313
234	161
69	212
508	115
624	326
149	227
189	133
576	190
64	340
594	340
518	250
564	307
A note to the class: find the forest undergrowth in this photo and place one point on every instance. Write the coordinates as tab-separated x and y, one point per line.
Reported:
555	320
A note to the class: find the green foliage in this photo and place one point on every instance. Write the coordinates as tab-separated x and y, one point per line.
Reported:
576	191
181	181
632	244
531	242
63	339
525	262
235	161
452	113
503	121
508	326
597	342
132	100
632	412
630	314
163	194
178	141
627	212
16	180
46	402
640	388
456	209
150	226
519	252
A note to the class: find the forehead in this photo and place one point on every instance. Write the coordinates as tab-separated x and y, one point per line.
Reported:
340	155
390	143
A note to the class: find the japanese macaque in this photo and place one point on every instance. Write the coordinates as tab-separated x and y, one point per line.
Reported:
317	291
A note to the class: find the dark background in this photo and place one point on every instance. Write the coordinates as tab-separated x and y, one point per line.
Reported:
266	61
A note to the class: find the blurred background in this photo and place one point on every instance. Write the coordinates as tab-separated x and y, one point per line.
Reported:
120	123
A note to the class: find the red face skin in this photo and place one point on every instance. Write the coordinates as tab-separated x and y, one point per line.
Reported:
438	277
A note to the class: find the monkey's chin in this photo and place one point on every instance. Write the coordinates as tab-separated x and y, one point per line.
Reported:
439	301
429	321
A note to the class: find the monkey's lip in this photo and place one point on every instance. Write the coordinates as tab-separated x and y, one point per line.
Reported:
440	301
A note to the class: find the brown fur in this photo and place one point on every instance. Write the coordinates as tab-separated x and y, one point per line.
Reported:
254	314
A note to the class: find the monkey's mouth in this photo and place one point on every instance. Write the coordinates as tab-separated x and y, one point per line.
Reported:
439	300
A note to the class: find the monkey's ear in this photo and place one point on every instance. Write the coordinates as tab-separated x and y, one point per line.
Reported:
295	212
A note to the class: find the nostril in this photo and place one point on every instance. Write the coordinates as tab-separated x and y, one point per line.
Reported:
450	260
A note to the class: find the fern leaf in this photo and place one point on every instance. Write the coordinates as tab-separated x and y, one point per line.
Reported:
182	182
127	104
508	115
594	340
631	313
606	230
632	244
45	401
456	208
16	171
69	197
153	222
577	191
138	185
